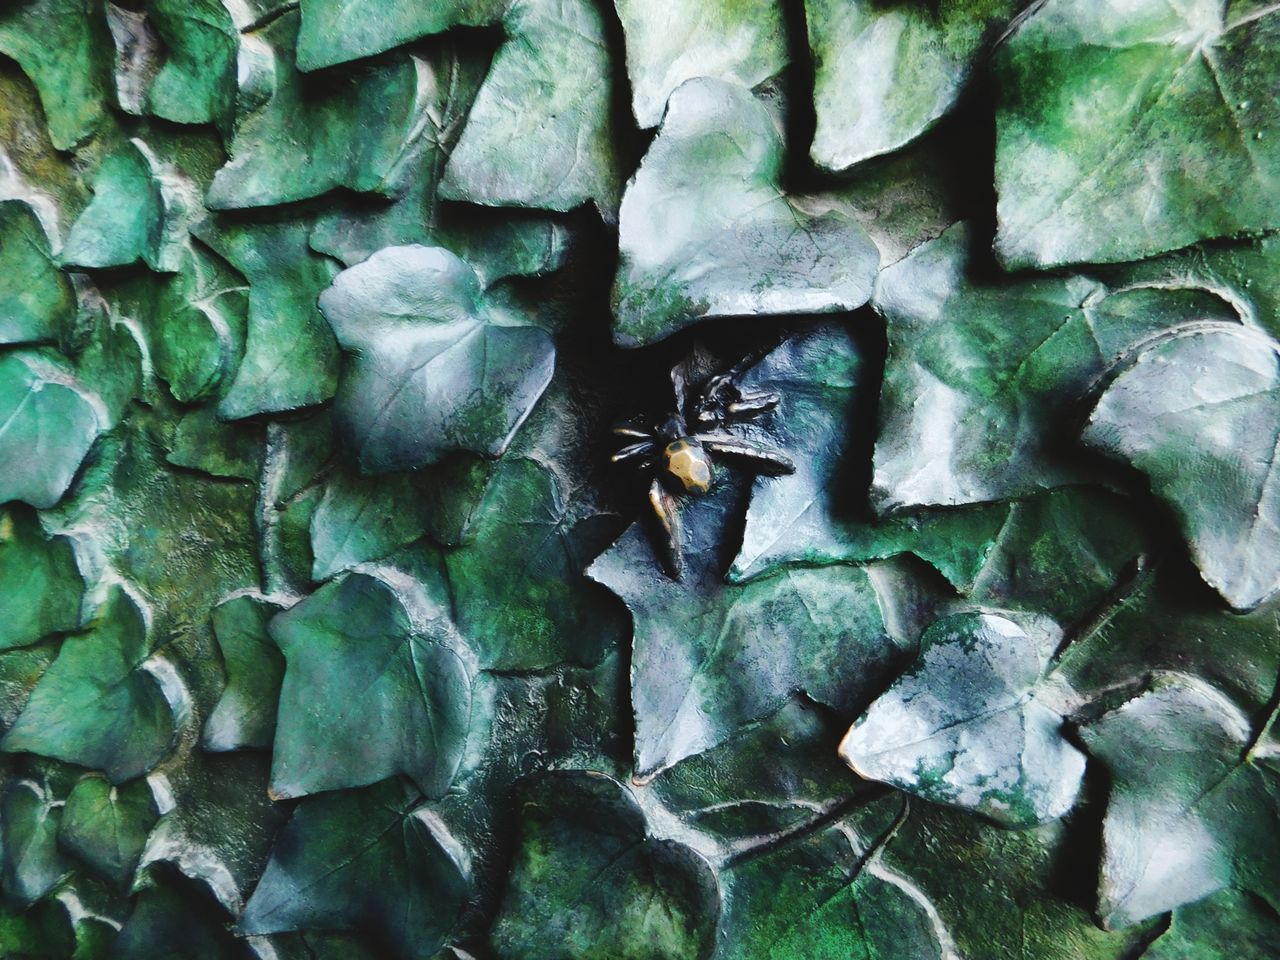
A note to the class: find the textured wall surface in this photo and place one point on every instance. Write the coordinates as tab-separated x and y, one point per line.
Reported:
639	479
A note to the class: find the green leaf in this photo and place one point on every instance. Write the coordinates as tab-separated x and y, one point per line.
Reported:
983	377
1124	132
366	518
1229	925
735	653
203	442
64	47
706	230
885	73
372	859
741	41
40	582
827	897
48	422
1196	412
377	682
291	359
137	214
1193	796
104	704
196	81
245	715
308	139
106	826
541	132
973	725
517	588
337	31
430	372
1061	553
39	301
590	882
172	910
32	864
816	515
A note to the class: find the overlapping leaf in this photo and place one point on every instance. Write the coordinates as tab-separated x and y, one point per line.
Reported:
706	230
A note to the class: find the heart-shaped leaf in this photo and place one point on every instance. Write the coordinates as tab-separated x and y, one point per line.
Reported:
541	132
735	653
377	682
30	862
40	583
245	714
590	883
884	73
107	826
103	704
430	373
967	724
1199	413
706	231
1193	800
48	422
137	214
743	43
376	859
982	377
39	301
1129	130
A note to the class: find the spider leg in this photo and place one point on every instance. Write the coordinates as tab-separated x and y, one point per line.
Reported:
627	430
667	509
753	404
633	450
768	460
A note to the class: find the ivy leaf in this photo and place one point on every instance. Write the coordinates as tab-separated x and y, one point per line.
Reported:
430	372
366	518
306	140
1196	412
372	859
39	301
48	422
517	588
973	725
1232	923
32	863
982	377
196	80
883	74
64	47
827	896
291	358
137	213
590	882
104	704
40	583
1061	553
735	653
106	826
245	714
1193	796
540	133
743	43
338	31
170	910
705	230
220	449
377	682
814	515
1190	86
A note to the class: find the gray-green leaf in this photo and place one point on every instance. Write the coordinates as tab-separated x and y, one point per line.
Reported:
430	373
965	726
706	230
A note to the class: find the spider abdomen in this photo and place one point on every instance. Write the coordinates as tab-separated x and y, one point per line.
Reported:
689	464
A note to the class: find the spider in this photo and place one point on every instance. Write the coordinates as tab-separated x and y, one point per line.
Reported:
679	449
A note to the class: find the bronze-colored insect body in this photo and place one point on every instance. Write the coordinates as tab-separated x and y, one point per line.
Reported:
680	451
